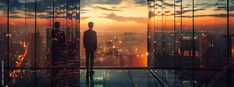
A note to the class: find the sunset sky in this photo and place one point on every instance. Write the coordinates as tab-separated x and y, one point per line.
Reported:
115	15
121	15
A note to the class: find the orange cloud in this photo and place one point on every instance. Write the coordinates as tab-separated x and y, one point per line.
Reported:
115	17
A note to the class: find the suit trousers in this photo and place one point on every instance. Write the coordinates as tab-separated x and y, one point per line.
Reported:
89	60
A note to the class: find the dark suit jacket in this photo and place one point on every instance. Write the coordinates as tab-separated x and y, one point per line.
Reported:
58	44
90	40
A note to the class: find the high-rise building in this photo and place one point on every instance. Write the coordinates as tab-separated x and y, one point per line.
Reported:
35	49
48	47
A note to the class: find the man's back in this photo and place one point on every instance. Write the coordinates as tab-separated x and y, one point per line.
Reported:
90	39
90	45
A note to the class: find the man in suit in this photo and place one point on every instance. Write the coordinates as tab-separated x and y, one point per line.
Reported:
90	45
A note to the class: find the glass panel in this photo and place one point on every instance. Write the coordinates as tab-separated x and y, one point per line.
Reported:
22	28
210	30
44	26
44	14
22	41
3	42
178	30
30	42
164	33
185	42
62	43
158	41
168	32
199	42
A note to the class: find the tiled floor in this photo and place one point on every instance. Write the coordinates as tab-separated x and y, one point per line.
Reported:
119	78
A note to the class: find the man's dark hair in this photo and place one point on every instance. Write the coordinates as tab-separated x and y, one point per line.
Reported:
56	25
90	25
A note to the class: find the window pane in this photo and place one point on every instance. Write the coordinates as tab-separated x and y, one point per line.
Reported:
211	31
60	57
22	41
200	42
210	28
3	41
121	36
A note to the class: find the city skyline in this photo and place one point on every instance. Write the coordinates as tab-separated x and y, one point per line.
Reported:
133	43
114	15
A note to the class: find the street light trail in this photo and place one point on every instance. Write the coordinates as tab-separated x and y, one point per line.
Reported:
20	58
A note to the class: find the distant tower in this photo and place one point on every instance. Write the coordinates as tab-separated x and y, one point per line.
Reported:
36	43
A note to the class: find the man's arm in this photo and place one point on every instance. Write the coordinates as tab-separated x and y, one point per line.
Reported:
95	41
62	38
84	40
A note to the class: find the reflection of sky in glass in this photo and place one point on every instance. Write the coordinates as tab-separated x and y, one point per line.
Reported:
211	8
25	14
26	9
212	11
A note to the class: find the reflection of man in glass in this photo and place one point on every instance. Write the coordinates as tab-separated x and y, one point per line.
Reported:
58	42
90	45
58	49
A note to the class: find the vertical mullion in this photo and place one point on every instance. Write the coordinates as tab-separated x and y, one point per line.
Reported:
25	18
8	43
228	46
66	19
52	62
154	47
53	11
174	61
35	32
193	34
162	37
148	34
181	15
174	29
78	36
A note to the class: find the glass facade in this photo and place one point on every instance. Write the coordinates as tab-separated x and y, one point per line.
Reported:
189	42
28	38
